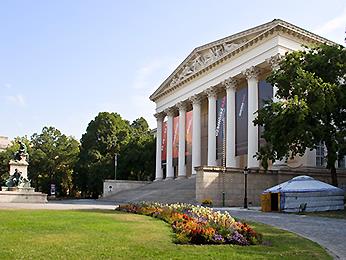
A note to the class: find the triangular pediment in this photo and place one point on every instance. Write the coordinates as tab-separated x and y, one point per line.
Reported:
206	55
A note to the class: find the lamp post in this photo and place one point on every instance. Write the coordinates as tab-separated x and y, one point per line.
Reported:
246	171
115	165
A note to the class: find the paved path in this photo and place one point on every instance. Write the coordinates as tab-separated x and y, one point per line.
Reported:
328	232
61	205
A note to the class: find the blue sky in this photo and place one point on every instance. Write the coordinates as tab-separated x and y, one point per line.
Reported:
63	61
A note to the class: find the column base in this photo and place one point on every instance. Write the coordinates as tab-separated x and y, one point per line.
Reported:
168	178
181	177
158	179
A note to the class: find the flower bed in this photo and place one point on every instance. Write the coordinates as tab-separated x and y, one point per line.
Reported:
198	225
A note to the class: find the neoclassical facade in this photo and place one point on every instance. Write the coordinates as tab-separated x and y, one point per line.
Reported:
220	86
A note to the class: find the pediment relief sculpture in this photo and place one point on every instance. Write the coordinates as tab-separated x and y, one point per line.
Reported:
204	58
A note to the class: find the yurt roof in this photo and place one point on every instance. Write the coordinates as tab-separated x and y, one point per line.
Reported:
303	184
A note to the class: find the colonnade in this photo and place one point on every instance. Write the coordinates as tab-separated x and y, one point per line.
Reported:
229	85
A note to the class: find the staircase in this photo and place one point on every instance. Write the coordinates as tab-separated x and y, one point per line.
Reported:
166	191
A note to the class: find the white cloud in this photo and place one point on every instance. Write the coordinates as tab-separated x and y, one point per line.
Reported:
17	100
149	76
145	73
147	79
7	85
332	25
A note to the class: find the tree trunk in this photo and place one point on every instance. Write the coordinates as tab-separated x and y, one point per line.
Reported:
334	176
331	160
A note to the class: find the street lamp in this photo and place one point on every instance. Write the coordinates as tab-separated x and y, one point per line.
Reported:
115	165
246	171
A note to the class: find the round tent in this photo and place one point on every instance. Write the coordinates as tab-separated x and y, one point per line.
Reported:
303	193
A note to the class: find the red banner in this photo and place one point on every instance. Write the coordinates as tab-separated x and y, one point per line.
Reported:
188	133
176	137
164	142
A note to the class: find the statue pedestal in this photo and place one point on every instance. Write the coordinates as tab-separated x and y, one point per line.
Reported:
21	166
22	195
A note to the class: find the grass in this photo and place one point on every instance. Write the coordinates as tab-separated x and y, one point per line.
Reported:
44	234
327	214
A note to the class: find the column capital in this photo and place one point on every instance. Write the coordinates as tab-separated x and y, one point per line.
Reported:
211	92
251	73
170	111
230	83
159	115
274	61
196	99
182	105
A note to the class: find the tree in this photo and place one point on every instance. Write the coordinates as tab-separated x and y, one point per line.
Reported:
137	157
52	160
311	109
104	137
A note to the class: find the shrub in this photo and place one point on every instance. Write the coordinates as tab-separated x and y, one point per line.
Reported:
207	202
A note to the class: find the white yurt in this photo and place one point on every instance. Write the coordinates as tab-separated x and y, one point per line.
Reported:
303	193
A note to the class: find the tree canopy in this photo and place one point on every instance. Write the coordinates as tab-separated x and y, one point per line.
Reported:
72	166
311	106
104	137
53	157
137	157
108	134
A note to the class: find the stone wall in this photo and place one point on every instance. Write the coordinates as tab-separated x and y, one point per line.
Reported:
111	187
211	182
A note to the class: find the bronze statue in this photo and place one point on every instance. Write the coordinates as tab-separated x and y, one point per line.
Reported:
13	180
22	152
17	180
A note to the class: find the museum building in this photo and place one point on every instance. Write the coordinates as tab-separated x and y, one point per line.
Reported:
206	107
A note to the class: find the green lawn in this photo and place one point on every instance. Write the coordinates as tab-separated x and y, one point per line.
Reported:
43	234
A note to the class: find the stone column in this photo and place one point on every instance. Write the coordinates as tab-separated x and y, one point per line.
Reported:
181	154
211	92
196	132
274	64
158	172
252	82
230	85
169	165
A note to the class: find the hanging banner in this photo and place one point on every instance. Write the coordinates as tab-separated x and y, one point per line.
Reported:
188	133
220	126
164	142
175	137
241	107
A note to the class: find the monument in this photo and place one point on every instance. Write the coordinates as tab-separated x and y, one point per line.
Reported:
18	186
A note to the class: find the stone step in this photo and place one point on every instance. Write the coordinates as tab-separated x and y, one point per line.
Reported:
166	191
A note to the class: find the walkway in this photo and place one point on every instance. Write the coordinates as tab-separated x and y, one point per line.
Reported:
328	232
